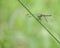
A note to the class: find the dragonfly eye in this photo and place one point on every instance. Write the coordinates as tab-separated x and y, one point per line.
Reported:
39	17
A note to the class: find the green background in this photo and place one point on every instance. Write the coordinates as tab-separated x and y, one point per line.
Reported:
19	30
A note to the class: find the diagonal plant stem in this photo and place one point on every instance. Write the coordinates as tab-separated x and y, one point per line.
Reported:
39	21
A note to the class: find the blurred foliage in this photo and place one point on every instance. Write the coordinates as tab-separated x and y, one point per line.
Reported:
19	30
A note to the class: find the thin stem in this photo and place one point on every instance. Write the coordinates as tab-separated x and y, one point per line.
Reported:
39	21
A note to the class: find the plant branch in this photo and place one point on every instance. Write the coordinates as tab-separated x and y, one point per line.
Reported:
39	21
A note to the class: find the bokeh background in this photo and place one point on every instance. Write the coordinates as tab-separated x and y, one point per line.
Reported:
18	29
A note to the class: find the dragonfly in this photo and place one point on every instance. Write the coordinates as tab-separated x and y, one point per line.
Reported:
42	15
